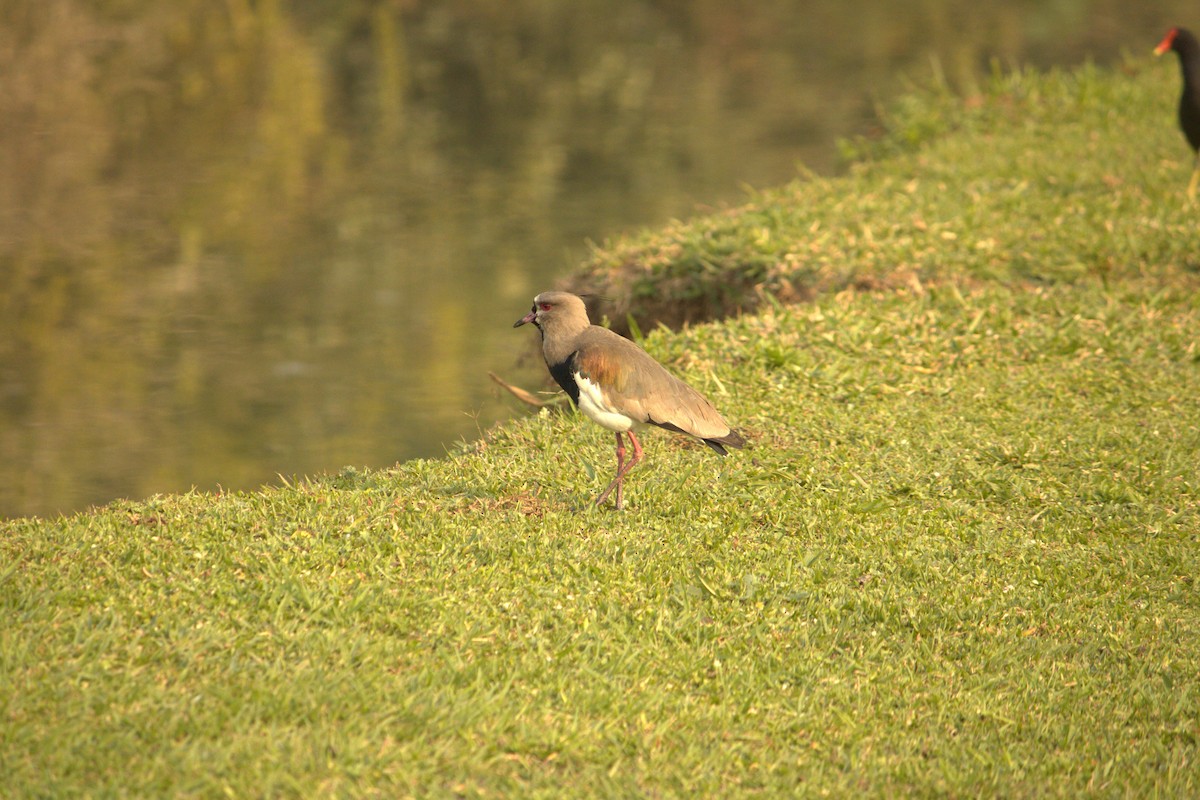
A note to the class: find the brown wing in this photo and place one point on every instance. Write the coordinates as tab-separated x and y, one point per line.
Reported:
638	386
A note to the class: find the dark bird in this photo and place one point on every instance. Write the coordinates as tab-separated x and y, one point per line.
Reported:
617	384
1184	43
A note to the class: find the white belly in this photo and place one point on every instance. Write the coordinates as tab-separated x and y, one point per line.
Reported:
591	403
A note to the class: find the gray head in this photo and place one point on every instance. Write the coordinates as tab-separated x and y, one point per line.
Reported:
556	313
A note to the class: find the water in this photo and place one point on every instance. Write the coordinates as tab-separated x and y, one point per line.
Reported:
240	240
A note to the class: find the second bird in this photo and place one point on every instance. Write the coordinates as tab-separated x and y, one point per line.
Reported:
1186	47
617	384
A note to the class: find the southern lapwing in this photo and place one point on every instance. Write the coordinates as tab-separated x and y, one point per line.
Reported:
1188	49
617	384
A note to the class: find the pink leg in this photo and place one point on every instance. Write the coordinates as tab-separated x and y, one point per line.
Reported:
622	469
620	463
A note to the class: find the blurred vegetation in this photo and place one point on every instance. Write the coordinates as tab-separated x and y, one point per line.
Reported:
243	238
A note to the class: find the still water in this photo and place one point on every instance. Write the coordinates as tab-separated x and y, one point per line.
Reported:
246	239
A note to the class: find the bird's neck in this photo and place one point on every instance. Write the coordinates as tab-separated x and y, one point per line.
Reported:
1191	74
559	342
1189	64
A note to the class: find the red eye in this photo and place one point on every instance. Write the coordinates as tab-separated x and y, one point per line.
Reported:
545	306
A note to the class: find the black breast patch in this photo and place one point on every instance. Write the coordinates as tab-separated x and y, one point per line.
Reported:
564	373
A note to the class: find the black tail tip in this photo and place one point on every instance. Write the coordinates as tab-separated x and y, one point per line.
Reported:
731	439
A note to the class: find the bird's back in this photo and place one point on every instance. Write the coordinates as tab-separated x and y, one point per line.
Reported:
642	389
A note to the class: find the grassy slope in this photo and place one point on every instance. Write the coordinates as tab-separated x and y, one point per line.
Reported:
1047	178
960	557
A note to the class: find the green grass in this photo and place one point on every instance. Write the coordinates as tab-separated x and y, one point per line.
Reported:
959	558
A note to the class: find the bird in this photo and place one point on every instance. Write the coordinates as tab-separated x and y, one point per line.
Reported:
1184	43
618	385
